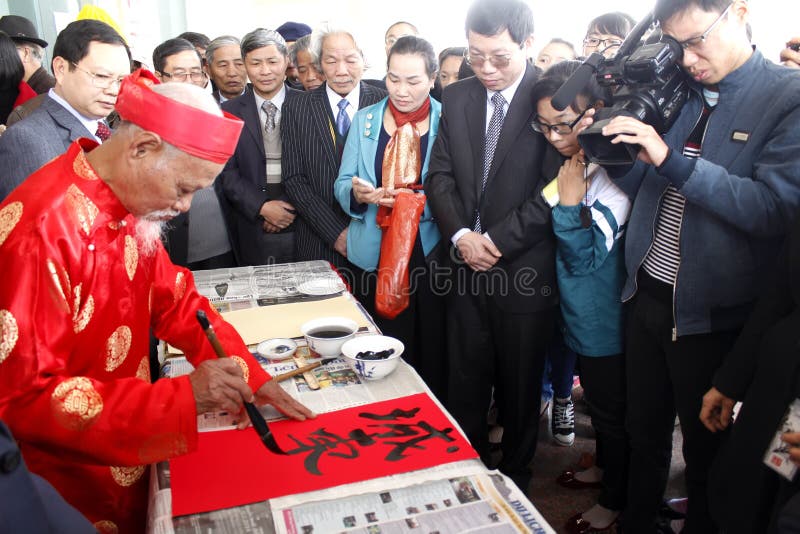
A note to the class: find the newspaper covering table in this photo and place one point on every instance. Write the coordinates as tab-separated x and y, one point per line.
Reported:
244	287
453	497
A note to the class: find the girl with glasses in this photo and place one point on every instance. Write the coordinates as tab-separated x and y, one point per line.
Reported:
589	217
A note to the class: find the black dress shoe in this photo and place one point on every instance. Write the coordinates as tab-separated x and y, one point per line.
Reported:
568	480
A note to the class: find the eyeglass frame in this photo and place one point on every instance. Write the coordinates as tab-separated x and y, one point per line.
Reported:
695	42
505	60
183	76
545	129
608	43
94	77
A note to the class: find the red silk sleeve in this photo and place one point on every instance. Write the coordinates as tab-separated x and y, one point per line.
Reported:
175	302
50	391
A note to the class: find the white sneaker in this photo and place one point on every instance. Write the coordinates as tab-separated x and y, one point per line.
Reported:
563	423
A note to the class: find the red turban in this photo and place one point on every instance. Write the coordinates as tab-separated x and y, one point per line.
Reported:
192	130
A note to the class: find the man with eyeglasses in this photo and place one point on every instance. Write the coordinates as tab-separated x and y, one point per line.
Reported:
198	238
714	198
177	60
90	59
483	188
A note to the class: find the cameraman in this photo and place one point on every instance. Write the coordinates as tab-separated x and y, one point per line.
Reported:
713	200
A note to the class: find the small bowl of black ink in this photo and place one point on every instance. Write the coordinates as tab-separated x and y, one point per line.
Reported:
326	335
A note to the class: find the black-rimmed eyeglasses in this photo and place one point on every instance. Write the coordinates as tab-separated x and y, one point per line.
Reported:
595	42
562	128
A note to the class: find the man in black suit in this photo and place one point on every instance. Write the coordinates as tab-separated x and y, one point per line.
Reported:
261	214
313	130
484	188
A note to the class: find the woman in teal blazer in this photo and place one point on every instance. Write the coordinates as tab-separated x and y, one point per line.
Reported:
412	70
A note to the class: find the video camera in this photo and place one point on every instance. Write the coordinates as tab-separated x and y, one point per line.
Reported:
651	88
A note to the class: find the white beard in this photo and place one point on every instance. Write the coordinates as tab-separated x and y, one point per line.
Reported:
149	232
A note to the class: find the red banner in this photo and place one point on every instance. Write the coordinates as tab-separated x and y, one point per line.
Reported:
233	468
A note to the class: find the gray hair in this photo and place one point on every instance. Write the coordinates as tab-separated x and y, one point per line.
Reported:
259	38
318	37
302	45
219	42
36	51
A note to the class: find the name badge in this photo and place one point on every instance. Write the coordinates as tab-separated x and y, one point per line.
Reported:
740	137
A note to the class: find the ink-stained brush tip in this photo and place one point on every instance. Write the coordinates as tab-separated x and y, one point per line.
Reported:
203	319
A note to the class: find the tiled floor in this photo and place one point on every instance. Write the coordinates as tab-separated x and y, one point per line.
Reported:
556	503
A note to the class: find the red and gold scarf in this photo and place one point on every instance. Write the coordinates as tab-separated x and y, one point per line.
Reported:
402	160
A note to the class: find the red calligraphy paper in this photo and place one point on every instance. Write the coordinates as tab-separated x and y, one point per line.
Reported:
232	468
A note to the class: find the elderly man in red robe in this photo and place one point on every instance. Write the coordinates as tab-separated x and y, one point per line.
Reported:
84	278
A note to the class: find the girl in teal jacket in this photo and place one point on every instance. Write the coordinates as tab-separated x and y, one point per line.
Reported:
589	217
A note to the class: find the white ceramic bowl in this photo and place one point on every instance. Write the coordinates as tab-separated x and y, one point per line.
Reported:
277	348
373	369
326	335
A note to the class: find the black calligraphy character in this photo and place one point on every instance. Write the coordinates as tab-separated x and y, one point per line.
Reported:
321	442
397	413
405	430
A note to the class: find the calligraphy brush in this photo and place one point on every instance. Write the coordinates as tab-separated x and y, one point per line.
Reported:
259	424
300	370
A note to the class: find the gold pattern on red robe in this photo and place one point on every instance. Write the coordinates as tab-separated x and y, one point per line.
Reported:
61	287
81	167
9	333
106	527
131	256
81	314
9	217
117	347
127	476
143	371
243	366
103	418
75	403
180	286
82	210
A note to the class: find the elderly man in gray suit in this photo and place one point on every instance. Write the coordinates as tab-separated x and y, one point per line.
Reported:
90	59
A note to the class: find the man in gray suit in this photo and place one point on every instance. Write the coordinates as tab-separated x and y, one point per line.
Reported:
90	59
